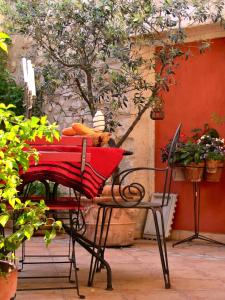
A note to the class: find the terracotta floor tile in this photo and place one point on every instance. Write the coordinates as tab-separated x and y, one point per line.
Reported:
197	272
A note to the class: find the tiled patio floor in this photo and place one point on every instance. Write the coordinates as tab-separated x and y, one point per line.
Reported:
197	272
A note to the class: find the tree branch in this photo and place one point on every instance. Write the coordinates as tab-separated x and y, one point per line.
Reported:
130	129
83	93
90	93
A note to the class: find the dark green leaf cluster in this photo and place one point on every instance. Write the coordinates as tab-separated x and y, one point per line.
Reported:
10	92
189	153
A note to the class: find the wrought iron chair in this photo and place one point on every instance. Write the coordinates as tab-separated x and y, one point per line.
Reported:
57	206
137	189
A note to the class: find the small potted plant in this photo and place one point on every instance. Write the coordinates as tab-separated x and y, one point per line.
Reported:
157	112
188	160
191	156
214	155
27	216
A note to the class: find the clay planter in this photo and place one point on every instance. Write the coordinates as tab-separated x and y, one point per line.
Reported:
8	281
216	176
123	222
178	173
157	114
194	172
211	166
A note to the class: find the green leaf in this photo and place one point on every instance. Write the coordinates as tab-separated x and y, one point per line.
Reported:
4	35
57	135
49	236
4	219
28	231
43	120
12	202
34	121
3	46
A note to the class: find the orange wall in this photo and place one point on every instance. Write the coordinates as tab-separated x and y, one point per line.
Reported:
199	91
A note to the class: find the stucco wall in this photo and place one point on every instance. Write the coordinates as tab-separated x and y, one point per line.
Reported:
199	92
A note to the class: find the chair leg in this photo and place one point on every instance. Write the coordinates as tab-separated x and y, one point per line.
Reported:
162	246
73	265
93	259
103	239
99	243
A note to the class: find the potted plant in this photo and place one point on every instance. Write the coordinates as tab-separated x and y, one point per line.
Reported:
204	147
191	156
27	216
214	155
157	112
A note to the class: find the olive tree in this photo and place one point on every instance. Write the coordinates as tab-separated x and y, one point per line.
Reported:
95	47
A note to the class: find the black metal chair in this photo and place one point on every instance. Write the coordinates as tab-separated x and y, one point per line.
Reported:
137	189
70	211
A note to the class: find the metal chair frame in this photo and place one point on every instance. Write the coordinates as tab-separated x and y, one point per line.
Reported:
74	225
106	208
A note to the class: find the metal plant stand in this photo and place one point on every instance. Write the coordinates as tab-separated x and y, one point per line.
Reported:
197	235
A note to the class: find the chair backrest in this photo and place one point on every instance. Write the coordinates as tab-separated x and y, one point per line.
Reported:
173	146
136	188
170	166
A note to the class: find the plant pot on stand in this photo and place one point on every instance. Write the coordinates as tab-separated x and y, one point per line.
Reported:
178	173
194	171
214	170
122	225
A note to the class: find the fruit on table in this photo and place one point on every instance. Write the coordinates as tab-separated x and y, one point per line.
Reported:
99	138
82	129
68	131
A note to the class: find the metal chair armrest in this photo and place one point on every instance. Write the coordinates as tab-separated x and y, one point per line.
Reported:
131	193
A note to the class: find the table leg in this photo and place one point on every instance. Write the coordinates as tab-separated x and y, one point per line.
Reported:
91	248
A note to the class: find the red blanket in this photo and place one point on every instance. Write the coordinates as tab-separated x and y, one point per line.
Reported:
100	166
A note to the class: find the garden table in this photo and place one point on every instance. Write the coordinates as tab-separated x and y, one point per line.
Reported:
75	163
69	164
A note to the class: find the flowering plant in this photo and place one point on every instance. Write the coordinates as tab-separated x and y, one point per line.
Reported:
214	148
165	150
204	144
187	151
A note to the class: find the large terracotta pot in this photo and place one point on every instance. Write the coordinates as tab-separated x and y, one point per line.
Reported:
8	280
215	176
194	172
122	225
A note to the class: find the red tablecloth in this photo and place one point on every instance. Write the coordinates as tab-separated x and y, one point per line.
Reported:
101	165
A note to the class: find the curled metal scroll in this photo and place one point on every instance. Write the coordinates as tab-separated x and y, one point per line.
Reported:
78	222
133	193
